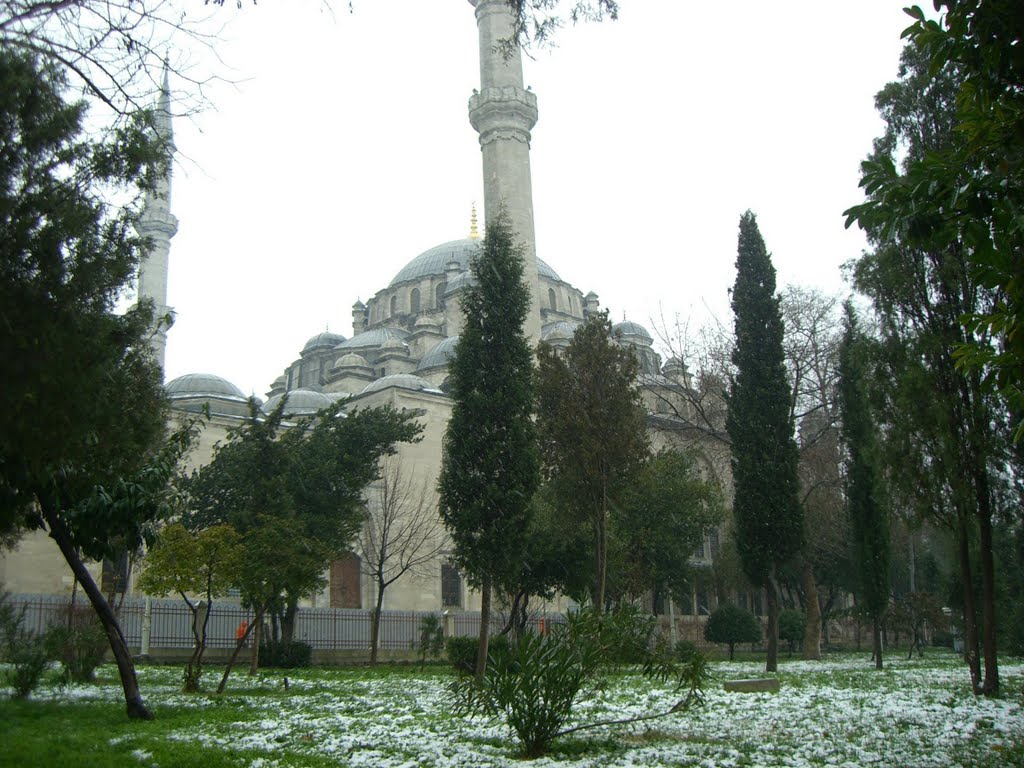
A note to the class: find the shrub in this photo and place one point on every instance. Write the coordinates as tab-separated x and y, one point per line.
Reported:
79	644
431	641
535	684
730	624
791	628
685	651
286	655
25	652
462	651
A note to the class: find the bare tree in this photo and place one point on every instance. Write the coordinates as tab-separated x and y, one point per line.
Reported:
402	534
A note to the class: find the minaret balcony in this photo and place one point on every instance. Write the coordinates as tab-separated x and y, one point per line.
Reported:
503	112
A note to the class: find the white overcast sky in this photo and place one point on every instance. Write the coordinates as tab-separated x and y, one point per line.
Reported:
345	151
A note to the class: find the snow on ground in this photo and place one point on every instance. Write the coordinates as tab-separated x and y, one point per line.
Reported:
915	714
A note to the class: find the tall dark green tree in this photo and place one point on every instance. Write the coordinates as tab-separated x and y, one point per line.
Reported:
490	465
593	432
766	506
81	410
948	434
869	521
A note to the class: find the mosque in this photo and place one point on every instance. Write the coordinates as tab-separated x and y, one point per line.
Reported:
401	343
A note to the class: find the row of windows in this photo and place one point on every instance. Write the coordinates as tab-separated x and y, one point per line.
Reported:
345	591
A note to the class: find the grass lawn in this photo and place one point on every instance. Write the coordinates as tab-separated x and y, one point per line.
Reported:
838	712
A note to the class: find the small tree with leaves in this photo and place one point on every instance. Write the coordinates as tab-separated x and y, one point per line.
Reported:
769	519
729	624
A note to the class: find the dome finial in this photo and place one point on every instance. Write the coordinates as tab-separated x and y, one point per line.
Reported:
474	234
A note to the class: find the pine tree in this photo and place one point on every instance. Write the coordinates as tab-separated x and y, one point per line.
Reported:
490	466
868	520
769	520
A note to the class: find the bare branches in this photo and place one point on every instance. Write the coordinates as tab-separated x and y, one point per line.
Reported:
115	49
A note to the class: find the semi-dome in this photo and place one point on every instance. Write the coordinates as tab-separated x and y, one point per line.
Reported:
460	281
627	329
301	402
435	261
401	380
200	384
324	340
351	359
375	337
395	345
441	354
562	329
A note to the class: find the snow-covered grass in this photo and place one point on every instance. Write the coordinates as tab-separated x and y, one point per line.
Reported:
838	712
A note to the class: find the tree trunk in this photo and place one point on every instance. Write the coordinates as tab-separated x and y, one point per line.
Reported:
288	619
375	623
238	648
990	685
812	628
876	641
485	627
125	667
772	588
970	615
257	627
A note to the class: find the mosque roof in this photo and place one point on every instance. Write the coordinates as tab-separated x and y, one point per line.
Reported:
629	328
301	402
439	355
193	385
401	380
326	339
561	329
374	337
435	261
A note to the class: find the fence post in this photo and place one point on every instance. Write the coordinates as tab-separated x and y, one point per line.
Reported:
147	624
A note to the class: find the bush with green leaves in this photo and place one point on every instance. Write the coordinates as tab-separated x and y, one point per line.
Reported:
791	628
730	624
685	650
292	654
25	652
534	686
78	643
431	641
462	651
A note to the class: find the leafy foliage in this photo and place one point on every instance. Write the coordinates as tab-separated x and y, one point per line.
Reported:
291	654
431	641
730	624
791	628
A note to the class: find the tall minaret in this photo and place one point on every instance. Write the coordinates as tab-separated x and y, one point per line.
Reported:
503	113
159	225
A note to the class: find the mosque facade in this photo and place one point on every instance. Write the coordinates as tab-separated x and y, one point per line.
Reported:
400	346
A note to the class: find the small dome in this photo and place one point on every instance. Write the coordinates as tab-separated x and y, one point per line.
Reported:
395	345
402	381
441	354
631	331
374	337
562	329
301	402
196	384
325	340
459	282
435	261
351	359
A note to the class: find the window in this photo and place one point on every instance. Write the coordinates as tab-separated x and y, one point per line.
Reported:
439	294
394	306
701	551
451	586
715	544
414	301
552	299
345	592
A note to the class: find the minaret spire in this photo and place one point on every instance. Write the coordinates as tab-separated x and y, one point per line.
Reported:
503	113
159	225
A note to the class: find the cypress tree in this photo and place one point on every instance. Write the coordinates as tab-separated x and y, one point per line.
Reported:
868	520
769	519
490	465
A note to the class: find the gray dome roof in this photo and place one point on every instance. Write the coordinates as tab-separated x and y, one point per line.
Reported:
203	384
627	328
562	329
439	355
326	340
301	402
401	380
435	261
374	337
460	281
351	359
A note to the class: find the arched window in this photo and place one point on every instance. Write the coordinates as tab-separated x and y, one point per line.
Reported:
394	305
439	294
552	299
345	592
414	301
451	586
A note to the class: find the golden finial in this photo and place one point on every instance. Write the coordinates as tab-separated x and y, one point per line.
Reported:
473	233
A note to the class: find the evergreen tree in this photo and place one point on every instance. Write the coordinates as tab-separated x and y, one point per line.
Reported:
593	431
868	519
490	466
769	520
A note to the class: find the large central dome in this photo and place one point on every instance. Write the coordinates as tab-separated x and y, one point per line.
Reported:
435	261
